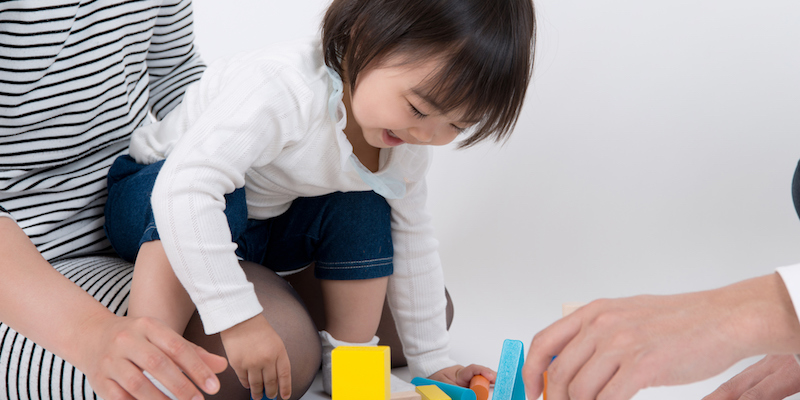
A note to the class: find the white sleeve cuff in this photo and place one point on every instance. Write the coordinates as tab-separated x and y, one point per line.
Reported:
791	278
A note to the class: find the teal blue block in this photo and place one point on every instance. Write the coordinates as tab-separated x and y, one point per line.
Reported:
508	385
455	392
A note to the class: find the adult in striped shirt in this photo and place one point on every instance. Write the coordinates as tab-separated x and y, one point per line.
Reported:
76	78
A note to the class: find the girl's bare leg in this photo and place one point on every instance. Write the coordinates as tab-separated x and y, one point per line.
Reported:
155	290
353	308
309	289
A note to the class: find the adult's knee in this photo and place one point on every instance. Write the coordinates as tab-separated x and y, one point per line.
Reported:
288	316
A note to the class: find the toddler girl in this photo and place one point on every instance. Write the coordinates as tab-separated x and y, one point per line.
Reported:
316	152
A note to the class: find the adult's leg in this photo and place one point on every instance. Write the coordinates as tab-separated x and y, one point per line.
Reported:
288	316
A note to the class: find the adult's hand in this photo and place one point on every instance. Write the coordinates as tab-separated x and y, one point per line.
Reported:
118	349
775	377
609	349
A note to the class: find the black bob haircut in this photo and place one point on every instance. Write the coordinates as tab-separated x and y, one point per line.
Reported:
486	47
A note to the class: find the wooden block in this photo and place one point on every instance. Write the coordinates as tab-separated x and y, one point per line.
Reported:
361	373
432	392
480	385
406	396
544	391
453	391
569	308
508	385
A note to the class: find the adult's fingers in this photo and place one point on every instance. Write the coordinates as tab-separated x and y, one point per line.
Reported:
773	377
623	385
179	353
131	379
592	377
544	346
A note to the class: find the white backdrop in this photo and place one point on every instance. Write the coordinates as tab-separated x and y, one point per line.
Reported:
654	155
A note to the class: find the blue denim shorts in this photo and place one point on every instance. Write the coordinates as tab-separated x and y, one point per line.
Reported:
347	235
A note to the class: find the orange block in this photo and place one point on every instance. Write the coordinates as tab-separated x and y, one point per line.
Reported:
544	391
480	385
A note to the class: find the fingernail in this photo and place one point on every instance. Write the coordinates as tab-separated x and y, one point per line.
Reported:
211	385
198	397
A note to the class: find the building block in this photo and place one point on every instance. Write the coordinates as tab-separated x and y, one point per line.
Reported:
480	385
544	390
569	308
508	385
432	392
453	391
360	373
406	396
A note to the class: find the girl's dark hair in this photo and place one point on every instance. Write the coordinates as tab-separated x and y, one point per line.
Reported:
486	47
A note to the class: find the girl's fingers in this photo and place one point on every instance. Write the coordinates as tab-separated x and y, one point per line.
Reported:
270	383
256	382
465	375
285	376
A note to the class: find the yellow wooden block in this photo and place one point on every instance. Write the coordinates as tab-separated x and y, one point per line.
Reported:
361	373
432	392
406	396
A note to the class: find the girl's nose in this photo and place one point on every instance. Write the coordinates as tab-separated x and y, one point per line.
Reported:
422	134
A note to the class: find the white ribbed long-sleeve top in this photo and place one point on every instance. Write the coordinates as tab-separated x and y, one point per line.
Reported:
272	121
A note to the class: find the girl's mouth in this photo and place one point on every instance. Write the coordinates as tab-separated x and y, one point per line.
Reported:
391	139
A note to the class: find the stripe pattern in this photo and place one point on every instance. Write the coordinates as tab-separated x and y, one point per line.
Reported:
27	371
76	78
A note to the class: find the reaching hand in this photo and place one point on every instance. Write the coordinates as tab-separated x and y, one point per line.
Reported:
119	348
259	358
775	377
609	349
460	375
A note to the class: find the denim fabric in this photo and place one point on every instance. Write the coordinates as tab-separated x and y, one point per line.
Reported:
347	235
796	189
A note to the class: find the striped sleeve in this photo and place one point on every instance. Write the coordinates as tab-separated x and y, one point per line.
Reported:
172	60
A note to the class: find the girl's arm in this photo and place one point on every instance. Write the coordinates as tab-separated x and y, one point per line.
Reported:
416	288
44	306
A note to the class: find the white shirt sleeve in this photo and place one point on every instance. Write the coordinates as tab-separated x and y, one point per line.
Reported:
790	275
416	292
232	118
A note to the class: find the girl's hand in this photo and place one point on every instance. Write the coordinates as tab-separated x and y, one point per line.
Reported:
117	349
259	358
775	377
460	375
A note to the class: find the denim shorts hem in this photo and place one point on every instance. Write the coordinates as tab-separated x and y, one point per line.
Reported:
367	269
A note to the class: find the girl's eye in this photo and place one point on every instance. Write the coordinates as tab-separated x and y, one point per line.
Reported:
416	112
458	130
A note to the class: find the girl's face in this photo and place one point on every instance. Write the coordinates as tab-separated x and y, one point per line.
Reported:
390	113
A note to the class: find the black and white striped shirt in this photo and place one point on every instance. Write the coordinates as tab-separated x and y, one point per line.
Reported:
76	78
